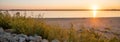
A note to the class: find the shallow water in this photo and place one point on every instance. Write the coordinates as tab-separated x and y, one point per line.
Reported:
67	14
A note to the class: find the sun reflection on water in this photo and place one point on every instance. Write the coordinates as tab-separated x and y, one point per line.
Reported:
94	10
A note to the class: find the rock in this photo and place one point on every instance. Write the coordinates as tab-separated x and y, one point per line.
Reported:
37	38
14	35
16	38
6	36
44	40
9	30
11	39
31	38
55	40
31	41
3	40
1	30
21	39
22	35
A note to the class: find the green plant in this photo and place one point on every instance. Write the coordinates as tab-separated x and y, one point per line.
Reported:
5	20
31	26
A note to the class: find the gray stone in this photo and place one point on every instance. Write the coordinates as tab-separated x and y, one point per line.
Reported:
55	40
31	38
44	40
22	35
21	39
3	40
7	34
31	41
11	39
38	38
1	30
8	37
9	30
14	35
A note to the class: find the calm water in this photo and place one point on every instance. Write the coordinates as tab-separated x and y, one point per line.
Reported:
67	14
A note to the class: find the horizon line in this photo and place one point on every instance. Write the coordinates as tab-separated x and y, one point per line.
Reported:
58	10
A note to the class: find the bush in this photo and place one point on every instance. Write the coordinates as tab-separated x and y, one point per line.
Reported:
30	26
5	20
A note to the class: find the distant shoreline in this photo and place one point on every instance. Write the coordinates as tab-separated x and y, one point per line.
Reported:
58	10
76	17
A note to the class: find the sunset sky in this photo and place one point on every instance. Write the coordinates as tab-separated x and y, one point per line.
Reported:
58	4
65	4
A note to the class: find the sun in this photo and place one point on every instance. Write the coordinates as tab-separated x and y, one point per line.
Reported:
94	8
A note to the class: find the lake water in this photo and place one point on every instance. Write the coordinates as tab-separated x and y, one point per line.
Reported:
67	14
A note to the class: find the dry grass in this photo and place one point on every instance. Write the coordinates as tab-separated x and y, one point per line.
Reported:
32	26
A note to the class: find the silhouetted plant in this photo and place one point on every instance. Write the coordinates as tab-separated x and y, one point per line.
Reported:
17	14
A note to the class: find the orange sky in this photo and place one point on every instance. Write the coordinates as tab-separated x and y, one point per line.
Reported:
59	4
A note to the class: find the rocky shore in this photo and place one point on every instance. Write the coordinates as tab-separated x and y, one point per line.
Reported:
11	37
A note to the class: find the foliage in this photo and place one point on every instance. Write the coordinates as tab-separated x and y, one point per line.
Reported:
31	26
5	20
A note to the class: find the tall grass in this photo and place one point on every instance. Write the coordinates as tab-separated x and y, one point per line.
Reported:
31	26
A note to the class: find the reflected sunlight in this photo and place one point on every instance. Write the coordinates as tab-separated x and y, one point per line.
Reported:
94	7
